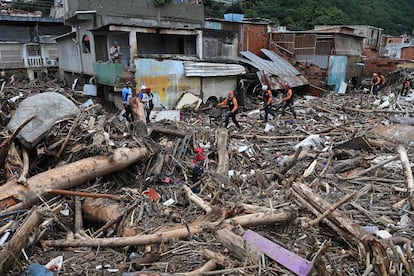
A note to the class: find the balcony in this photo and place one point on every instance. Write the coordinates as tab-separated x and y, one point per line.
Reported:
38	62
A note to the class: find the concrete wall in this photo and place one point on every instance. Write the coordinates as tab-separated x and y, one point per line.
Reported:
139	13
11	55
219	45
168	82
69	57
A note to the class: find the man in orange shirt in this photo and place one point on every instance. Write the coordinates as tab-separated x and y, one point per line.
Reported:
288	100
231	102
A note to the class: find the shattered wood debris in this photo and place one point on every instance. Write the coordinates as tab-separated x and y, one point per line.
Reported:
330	192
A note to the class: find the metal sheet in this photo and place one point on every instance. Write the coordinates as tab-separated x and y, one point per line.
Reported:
276	71
337	70
206	69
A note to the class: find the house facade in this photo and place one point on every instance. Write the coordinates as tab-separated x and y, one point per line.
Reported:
27	44
161	46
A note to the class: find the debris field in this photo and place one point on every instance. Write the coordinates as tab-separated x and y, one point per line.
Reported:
328	193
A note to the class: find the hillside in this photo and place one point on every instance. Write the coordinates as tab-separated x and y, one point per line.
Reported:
395	17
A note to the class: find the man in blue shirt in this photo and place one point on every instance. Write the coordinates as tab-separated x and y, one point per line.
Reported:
126	100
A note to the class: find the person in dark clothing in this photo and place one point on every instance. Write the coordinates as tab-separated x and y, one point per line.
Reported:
126	100
375	84
405	87
287	100
231	103
267	98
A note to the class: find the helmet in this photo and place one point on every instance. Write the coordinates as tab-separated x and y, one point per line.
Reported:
285	86
264	87
143	87
148	88
127	82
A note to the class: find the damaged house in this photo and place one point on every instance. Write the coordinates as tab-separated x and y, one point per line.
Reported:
338	51
27	45
162	46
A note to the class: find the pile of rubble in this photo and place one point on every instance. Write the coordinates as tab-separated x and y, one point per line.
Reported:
331	192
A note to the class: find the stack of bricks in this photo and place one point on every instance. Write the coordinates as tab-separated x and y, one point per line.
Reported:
383	66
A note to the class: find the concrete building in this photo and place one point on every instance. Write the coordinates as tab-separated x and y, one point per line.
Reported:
162	46
252	36
27	44
337	50
395	46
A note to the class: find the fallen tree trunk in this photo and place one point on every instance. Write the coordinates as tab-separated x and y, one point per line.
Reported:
11	251
409	180
68	176
223	154
166	131
176	233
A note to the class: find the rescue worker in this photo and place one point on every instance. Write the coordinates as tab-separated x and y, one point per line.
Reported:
382	80
405	87
287	100
267	98
231	102
141	92
375	84
126	100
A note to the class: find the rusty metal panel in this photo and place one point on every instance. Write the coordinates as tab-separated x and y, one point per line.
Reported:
276	71
255	37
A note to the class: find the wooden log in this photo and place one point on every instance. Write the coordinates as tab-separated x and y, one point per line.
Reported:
166	131
197	200
217	257
177	232
409	180
69	176
223	154
11	251
209	266
234	243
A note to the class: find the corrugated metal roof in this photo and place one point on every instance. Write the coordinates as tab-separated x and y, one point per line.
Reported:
276	71
208	69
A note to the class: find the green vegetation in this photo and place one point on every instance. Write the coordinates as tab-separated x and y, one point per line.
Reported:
395	17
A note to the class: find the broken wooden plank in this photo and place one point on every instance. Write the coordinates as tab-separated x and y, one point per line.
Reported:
223	154
409	180
291	261
82	194
12	250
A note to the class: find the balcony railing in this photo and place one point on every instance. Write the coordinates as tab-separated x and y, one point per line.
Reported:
38	61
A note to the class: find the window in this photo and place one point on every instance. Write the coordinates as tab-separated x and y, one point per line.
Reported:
86	45
33	50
